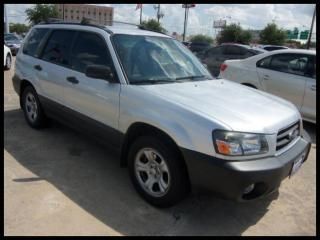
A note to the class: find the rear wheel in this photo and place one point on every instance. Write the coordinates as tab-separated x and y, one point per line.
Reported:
32	109
157	172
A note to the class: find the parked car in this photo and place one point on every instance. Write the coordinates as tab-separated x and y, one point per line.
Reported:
273	47
187	44
290	74
7	57
13	41
175	127
215	56
197	47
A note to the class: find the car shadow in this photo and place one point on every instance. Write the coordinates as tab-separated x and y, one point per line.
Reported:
90	176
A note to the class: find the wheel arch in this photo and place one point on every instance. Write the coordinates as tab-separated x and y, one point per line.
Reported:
138	129
249	85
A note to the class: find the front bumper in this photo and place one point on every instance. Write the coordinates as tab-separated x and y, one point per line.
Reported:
229	179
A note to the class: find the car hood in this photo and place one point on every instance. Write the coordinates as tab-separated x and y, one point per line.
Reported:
239	107
13	42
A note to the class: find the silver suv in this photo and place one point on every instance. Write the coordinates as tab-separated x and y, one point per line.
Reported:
173	125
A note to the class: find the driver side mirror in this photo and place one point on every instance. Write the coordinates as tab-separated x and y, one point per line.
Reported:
100	72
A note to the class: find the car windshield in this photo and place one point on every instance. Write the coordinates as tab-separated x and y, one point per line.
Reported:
151	60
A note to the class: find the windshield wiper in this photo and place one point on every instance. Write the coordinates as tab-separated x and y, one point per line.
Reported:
192	77
152	81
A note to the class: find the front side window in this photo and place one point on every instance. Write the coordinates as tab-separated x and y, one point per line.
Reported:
264	63
89	49
289	63
149	59
58	47
33	41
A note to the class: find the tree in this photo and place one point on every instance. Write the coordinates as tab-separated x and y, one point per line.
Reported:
19	28
234	33
153	25
272	35
41	12
201	38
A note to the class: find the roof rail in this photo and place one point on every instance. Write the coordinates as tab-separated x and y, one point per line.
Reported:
139	26
84	21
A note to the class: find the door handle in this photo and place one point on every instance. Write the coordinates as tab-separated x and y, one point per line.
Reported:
313	87
38	67
265	77
73	80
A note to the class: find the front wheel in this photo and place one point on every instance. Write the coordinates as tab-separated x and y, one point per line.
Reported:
157	171
8	62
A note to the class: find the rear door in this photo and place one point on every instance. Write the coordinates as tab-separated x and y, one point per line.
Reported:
54	64
309	101
284	75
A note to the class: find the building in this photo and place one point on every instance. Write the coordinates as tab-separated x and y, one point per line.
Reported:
255	36
76	12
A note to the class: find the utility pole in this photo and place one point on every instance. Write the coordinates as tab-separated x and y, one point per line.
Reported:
141	14
186	13
185	23
7	30
63	12
158	14
310	34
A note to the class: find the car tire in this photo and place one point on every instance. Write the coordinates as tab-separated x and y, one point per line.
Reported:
163	180
8	62
32	109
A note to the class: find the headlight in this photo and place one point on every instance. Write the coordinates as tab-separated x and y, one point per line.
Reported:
14	45
239	144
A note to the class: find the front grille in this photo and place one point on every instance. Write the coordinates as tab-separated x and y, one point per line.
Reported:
287	135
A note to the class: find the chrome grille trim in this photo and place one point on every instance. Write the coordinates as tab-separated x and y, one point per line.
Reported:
283	136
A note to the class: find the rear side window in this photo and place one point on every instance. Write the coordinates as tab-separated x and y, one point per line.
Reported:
213	52
273	48
31	44
233	50
58	47
89	49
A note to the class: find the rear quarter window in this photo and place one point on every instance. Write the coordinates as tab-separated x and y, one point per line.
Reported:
32	43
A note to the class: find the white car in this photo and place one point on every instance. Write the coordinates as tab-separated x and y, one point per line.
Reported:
290	74
7	57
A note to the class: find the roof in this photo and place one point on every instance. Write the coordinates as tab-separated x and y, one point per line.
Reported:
305	51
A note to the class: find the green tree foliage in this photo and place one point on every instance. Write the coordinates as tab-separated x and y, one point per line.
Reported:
234	33
18	28
273	35
41	12
153	25
201	38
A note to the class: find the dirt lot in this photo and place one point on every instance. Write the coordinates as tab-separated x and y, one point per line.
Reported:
58	182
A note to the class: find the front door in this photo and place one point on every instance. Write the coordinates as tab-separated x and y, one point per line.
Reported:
96	99
283	76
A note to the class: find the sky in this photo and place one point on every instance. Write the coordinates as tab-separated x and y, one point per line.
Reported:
249	16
